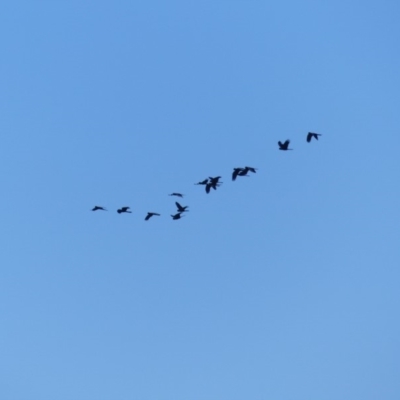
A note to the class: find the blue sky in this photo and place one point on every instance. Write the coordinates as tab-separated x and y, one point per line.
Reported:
283	285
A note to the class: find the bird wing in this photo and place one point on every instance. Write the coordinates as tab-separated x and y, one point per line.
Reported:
208	186
309	137
251	169
235	173
215	179
179	206
148	216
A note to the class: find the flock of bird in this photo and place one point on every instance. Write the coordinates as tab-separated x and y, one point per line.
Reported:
209	183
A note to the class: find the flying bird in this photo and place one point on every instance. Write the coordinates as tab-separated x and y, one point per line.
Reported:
150	214
180	208
124	210
215	180
311	135
236	172
176	194
242	172
177	216
95	208
213	185
284	146
210	183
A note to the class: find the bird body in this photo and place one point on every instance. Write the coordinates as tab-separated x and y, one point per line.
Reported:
284	146
150	214
124	210
311	135
213	185
181	208
176	194
215	180
176	216
242	172
236	172
95	208
210	183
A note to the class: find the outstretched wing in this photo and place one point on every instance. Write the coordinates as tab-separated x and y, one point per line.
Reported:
215	179
310	135
284	145
251	169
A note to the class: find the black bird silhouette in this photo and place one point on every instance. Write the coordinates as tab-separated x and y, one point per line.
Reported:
215	181
177	216
176	194
180	208
242	171
311	135
236	172
95	208
124	210
149	215
213	185
202	182
284	146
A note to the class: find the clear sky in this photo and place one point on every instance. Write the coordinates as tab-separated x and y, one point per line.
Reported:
283	285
